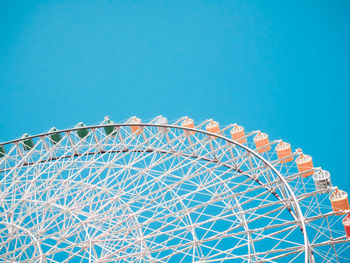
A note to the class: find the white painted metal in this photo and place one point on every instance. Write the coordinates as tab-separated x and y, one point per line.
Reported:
160	196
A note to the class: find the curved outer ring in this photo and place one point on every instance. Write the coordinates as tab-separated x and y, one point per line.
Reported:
299	214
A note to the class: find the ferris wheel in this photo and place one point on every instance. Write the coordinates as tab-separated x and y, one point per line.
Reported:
160	191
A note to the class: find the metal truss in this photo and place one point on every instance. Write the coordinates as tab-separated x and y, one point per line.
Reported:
164	194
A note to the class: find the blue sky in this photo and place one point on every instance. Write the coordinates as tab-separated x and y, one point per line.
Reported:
279	67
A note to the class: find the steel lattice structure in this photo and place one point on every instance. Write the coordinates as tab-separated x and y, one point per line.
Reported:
166	193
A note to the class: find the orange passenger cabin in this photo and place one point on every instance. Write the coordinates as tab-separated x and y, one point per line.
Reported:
188	123
339	201
213	127
238	134
284	152
261	141
135	129
305	165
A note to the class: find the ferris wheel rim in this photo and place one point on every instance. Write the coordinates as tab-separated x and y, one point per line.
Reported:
298	212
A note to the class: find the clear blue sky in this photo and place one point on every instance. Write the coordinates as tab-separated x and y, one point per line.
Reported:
283	68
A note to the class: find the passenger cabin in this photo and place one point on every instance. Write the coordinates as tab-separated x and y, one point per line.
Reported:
213	127
28	144
339	200
2	151
82	131
346	224
261	141
238	134
134	128
322	179
305	165
284	152
109	130
188	123
55	137
160	120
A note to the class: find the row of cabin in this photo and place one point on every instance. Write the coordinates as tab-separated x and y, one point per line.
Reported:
283	149
338	199
262	144
82	132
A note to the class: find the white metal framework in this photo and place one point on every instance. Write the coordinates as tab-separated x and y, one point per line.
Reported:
162	194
